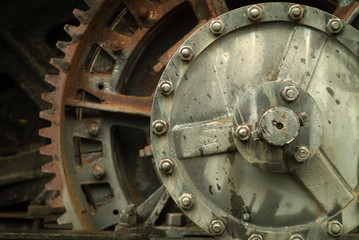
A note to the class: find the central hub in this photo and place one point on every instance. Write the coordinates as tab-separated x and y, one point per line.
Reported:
278	126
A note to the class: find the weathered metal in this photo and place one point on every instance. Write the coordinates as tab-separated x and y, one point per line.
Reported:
276	76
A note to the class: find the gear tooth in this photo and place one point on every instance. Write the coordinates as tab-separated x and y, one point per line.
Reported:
47	114
64	219
48	97
47	150
53	185
70	29
57	202
82	16
63	46
49	167
46	132
60	64
52	79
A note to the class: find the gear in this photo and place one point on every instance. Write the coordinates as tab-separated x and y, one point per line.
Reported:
102	104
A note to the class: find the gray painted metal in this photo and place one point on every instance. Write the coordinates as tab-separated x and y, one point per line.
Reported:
202	114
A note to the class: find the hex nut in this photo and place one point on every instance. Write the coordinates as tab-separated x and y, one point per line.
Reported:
216	27
167	166
186	200
297	237
186	53
335	228
128	216
217	227
175	219
254	12
296	12
335	25
98	171
243	132
301	154
166	88
290	93
159	127
255	237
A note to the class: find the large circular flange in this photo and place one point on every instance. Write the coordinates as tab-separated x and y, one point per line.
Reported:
278	127
201	140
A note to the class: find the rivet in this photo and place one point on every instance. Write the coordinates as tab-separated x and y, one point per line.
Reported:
254	13
216	27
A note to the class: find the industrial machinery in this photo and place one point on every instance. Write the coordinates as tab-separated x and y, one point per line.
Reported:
197	119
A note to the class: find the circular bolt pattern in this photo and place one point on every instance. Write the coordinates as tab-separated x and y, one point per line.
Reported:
167	166
302	153
255	237
243	132
159	127
93	128
296	12
296	237
98	171
290	93
254	13
335	25
166	88
335	228
217	227
186	200
186	53
216	27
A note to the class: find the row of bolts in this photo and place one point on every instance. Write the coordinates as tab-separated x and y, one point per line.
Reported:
186	200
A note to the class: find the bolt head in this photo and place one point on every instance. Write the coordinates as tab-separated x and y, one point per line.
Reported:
217	227
335	228
255	237
117	46
297	237
302	154
335	25
167	166
254	13
290	93
216	27
243	132
159	127
166	88
98	171
186	200
186	53
246	216
93	128
296	12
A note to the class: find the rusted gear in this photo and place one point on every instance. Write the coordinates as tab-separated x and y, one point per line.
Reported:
103	91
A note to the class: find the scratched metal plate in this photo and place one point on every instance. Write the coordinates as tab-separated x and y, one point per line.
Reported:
200	137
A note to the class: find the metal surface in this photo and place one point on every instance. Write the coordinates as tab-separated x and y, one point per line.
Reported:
224	85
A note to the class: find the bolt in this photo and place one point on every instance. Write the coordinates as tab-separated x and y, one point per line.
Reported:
186	200
117	46
255	237
243	132
186	53
167	166
296	12
254	13
335	25
93	128
246	216
98	171
217	227
159	127
335	228
302	154
166	88
296	237
290	93
216	27
175	219
143	12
